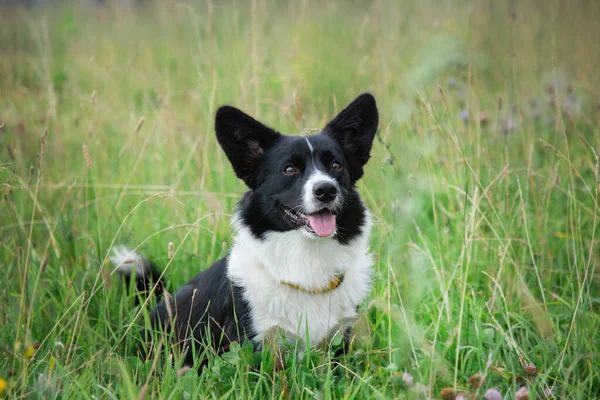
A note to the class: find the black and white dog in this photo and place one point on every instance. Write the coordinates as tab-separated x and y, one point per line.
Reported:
300	263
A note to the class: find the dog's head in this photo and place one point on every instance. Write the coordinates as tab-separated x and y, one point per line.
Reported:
301	182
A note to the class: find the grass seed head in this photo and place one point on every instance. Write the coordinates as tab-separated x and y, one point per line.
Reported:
88	157
171	250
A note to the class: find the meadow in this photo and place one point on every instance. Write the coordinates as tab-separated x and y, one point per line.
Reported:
484	184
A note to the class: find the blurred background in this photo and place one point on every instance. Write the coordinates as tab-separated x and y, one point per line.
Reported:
483	181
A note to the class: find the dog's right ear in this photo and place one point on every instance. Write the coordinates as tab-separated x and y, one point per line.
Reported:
244	141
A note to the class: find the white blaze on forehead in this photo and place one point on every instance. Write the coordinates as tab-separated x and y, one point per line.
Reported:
312	152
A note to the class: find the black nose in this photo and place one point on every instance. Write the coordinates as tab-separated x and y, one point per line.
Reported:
325	191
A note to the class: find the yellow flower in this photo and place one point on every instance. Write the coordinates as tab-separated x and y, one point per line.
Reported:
2	385
28	353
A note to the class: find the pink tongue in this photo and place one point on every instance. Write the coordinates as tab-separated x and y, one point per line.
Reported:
323	223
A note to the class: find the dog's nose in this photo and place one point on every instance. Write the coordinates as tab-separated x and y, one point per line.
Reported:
325	191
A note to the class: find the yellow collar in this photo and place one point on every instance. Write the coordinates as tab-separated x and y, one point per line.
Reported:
333	284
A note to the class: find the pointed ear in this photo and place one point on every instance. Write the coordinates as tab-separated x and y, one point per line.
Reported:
354	128
244	141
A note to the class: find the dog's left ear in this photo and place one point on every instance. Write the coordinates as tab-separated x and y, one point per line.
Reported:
244	141
354	128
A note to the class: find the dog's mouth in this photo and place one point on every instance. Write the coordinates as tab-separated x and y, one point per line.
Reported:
321	223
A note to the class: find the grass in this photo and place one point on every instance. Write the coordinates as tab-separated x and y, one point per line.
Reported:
486	202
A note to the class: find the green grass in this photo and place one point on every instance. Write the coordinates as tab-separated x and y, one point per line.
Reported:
486	240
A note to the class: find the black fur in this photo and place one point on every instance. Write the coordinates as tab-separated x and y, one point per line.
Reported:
208	305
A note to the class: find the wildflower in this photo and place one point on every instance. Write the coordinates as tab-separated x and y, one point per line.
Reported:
464	115
522	394
451	82
475	381
530	370
3	385
408	379
448	394
483	118
492	394
29	351
548	393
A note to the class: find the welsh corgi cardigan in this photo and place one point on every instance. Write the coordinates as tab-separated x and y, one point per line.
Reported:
300	262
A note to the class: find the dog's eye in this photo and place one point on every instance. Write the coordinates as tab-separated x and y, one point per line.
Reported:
336	166
290	170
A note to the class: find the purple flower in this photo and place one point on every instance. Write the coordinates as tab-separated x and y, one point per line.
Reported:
548	393
464	115
451	82
492	394
522	394
408	379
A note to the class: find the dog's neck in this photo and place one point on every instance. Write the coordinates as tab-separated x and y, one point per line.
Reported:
294	258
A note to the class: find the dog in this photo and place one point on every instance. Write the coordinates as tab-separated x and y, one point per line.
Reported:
300	263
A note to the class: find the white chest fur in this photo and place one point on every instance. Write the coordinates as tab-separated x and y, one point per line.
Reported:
259	267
